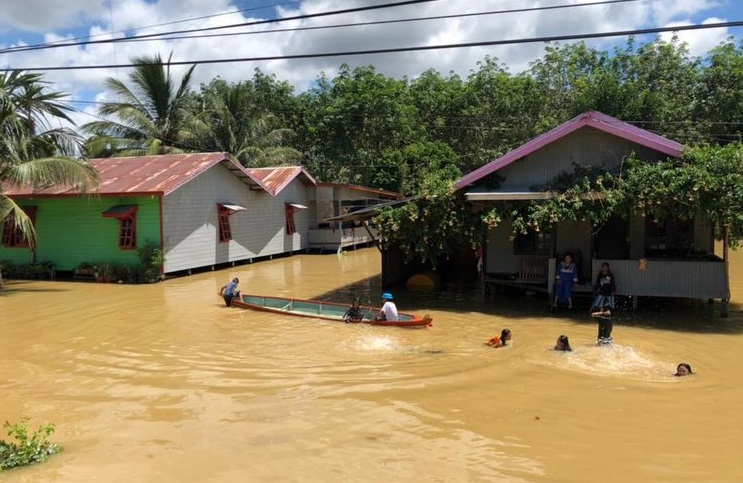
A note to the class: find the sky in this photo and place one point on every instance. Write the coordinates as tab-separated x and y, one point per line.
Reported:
33	22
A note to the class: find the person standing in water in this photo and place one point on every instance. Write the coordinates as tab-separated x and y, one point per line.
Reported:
605	287
230	291
605	324
354	312
567	275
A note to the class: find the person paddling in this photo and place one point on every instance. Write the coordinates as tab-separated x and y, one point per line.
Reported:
230	291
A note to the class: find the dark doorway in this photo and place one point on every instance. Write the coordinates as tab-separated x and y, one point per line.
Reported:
610	242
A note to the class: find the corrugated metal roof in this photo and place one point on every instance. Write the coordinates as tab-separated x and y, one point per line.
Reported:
161	175
355	187
277	178
594	119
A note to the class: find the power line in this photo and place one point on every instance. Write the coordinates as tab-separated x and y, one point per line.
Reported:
242	24
166	36
25	48
489	43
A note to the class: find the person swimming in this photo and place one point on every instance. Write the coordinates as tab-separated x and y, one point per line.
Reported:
563	344
683	369
499	341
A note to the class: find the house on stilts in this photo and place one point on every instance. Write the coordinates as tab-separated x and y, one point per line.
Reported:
650	258
200	209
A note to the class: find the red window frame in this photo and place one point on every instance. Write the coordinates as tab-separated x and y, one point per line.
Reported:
128	232
127	218
13	235
225	230
291	227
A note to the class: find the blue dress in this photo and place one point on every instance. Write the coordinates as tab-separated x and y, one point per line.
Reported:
566	276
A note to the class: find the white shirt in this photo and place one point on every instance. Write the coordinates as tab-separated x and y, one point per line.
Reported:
390	311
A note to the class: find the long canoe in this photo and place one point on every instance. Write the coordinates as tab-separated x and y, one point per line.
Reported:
323	310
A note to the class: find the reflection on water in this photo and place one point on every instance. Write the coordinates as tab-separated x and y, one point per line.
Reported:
162	383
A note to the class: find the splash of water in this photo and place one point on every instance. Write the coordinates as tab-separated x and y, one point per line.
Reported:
376	343
617	360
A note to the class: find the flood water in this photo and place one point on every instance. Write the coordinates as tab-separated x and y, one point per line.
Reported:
162	383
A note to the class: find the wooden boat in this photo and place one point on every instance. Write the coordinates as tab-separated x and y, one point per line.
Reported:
323	310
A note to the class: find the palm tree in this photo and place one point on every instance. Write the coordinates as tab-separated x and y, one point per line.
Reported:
150	117
229	122
30	158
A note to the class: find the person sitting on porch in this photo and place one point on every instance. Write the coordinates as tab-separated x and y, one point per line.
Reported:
605	287
230	291
683	369
389	309
563	344
499	341
354	312
567	275
605	325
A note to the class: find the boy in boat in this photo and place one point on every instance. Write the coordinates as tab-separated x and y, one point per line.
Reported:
389	309
354	312
605	324
495	342
230	291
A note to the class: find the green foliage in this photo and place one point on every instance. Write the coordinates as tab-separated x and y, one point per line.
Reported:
151	260
26	449
436	223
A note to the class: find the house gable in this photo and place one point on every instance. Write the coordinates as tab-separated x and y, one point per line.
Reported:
580	150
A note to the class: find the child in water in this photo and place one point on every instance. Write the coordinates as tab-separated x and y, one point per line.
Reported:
605	324
495	342
563	344
683	369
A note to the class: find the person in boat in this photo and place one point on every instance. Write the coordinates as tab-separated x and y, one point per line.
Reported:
499	341
605	287
605	324
389	309
563	344
230	291
567	275
683	369
354	311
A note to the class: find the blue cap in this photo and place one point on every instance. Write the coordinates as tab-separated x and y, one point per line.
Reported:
387	296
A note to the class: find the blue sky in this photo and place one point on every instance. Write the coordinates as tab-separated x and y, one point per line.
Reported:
41	21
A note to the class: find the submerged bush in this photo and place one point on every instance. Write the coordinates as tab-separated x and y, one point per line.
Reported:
26	450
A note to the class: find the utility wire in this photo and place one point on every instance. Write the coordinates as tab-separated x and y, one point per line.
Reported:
24	48
242	24
488	43
167	36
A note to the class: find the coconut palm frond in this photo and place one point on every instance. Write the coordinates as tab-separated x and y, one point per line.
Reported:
56	170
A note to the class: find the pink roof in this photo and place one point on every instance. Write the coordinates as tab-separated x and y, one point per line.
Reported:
276	179
355	187
158	175
593	119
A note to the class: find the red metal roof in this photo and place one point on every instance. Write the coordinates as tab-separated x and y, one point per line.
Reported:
276	179
594	119
160	175
355	187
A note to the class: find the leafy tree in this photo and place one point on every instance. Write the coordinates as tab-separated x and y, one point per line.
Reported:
719	97
151	115
31	152
234	119
407	168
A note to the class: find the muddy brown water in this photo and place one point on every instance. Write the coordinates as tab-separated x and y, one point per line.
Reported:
161	383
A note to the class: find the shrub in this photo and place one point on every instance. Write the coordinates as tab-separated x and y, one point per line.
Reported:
26	450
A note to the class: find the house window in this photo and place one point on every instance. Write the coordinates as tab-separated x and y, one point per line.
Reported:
289	210
672	237
13	235
127	218
533	243
224	211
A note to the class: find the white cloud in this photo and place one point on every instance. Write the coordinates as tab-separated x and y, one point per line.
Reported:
132	15
700	41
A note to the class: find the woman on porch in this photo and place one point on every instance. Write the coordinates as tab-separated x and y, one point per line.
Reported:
567	275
